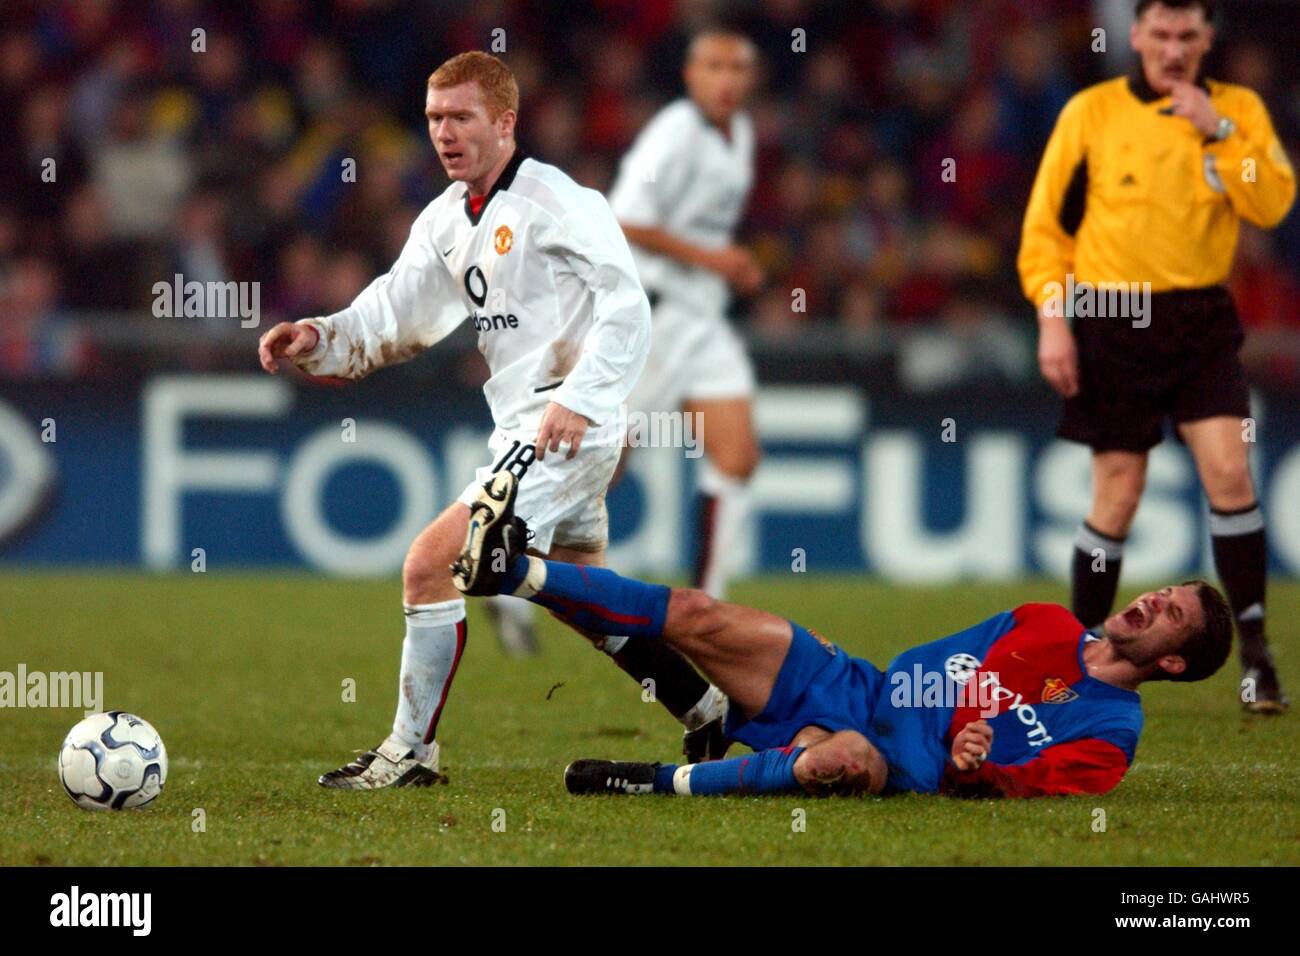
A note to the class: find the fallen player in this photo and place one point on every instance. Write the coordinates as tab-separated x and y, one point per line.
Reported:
1026	703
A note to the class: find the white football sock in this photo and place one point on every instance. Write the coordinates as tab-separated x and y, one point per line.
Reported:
613	644
732	509
435	639
709	707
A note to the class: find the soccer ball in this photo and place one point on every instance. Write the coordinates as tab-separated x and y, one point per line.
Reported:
113	761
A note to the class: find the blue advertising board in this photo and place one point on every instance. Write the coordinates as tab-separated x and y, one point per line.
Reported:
254	471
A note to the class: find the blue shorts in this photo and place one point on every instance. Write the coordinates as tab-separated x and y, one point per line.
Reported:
819	685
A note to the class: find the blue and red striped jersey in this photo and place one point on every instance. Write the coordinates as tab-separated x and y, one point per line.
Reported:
1056	730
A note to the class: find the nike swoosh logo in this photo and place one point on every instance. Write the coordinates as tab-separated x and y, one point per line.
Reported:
1016	655
449	251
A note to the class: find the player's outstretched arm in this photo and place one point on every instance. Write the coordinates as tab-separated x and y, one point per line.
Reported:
392	320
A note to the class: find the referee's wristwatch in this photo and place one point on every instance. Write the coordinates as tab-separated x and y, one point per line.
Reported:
1225	129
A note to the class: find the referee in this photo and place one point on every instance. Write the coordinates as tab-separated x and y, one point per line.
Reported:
1139	193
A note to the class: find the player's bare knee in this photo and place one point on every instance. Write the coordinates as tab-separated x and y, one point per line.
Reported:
845	763
1228	484
424	576
417	579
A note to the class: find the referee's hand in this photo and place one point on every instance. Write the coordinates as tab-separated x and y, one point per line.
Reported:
1193	103
1058	358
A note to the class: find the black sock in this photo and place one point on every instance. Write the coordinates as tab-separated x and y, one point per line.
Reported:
677	685
1094	574
1241	558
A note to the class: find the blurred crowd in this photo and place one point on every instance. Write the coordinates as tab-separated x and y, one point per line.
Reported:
136	148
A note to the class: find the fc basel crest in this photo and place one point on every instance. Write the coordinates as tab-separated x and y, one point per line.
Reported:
1057	691
824	643
503	239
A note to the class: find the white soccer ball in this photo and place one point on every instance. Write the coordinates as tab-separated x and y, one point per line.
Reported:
113	761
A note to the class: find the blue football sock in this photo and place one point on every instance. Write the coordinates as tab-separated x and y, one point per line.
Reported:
768	771
597	599
515	575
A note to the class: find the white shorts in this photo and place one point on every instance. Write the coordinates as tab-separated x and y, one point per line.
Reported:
693	356
562	499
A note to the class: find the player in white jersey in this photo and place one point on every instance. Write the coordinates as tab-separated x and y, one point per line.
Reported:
679	195
541	268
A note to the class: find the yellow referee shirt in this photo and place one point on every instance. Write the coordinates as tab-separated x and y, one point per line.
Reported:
1126	193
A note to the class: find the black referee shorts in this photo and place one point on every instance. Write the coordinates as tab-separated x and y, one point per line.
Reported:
1183	366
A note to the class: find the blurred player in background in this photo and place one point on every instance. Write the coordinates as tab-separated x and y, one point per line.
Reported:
542	269
1145	179
679	196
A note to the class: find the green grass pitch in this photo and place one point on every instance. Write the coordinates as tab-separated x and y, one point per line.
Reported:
243	676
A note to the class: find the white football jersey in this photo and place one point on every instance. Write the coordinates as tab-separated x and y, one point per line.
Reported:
683	176
546	276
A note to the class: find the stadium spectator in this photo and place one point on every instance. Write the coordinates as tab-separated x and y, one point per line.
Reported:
36	339
851	134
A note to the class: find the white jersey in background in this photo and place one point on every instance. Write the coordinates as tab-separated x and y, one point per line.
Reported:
546	276
683	176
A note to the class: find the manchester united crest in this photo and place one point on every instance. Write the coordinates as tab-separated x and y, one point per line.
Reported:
503	239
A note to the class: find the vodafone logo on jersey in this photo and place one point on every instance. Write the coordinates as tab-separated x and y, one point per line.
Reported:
476	288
